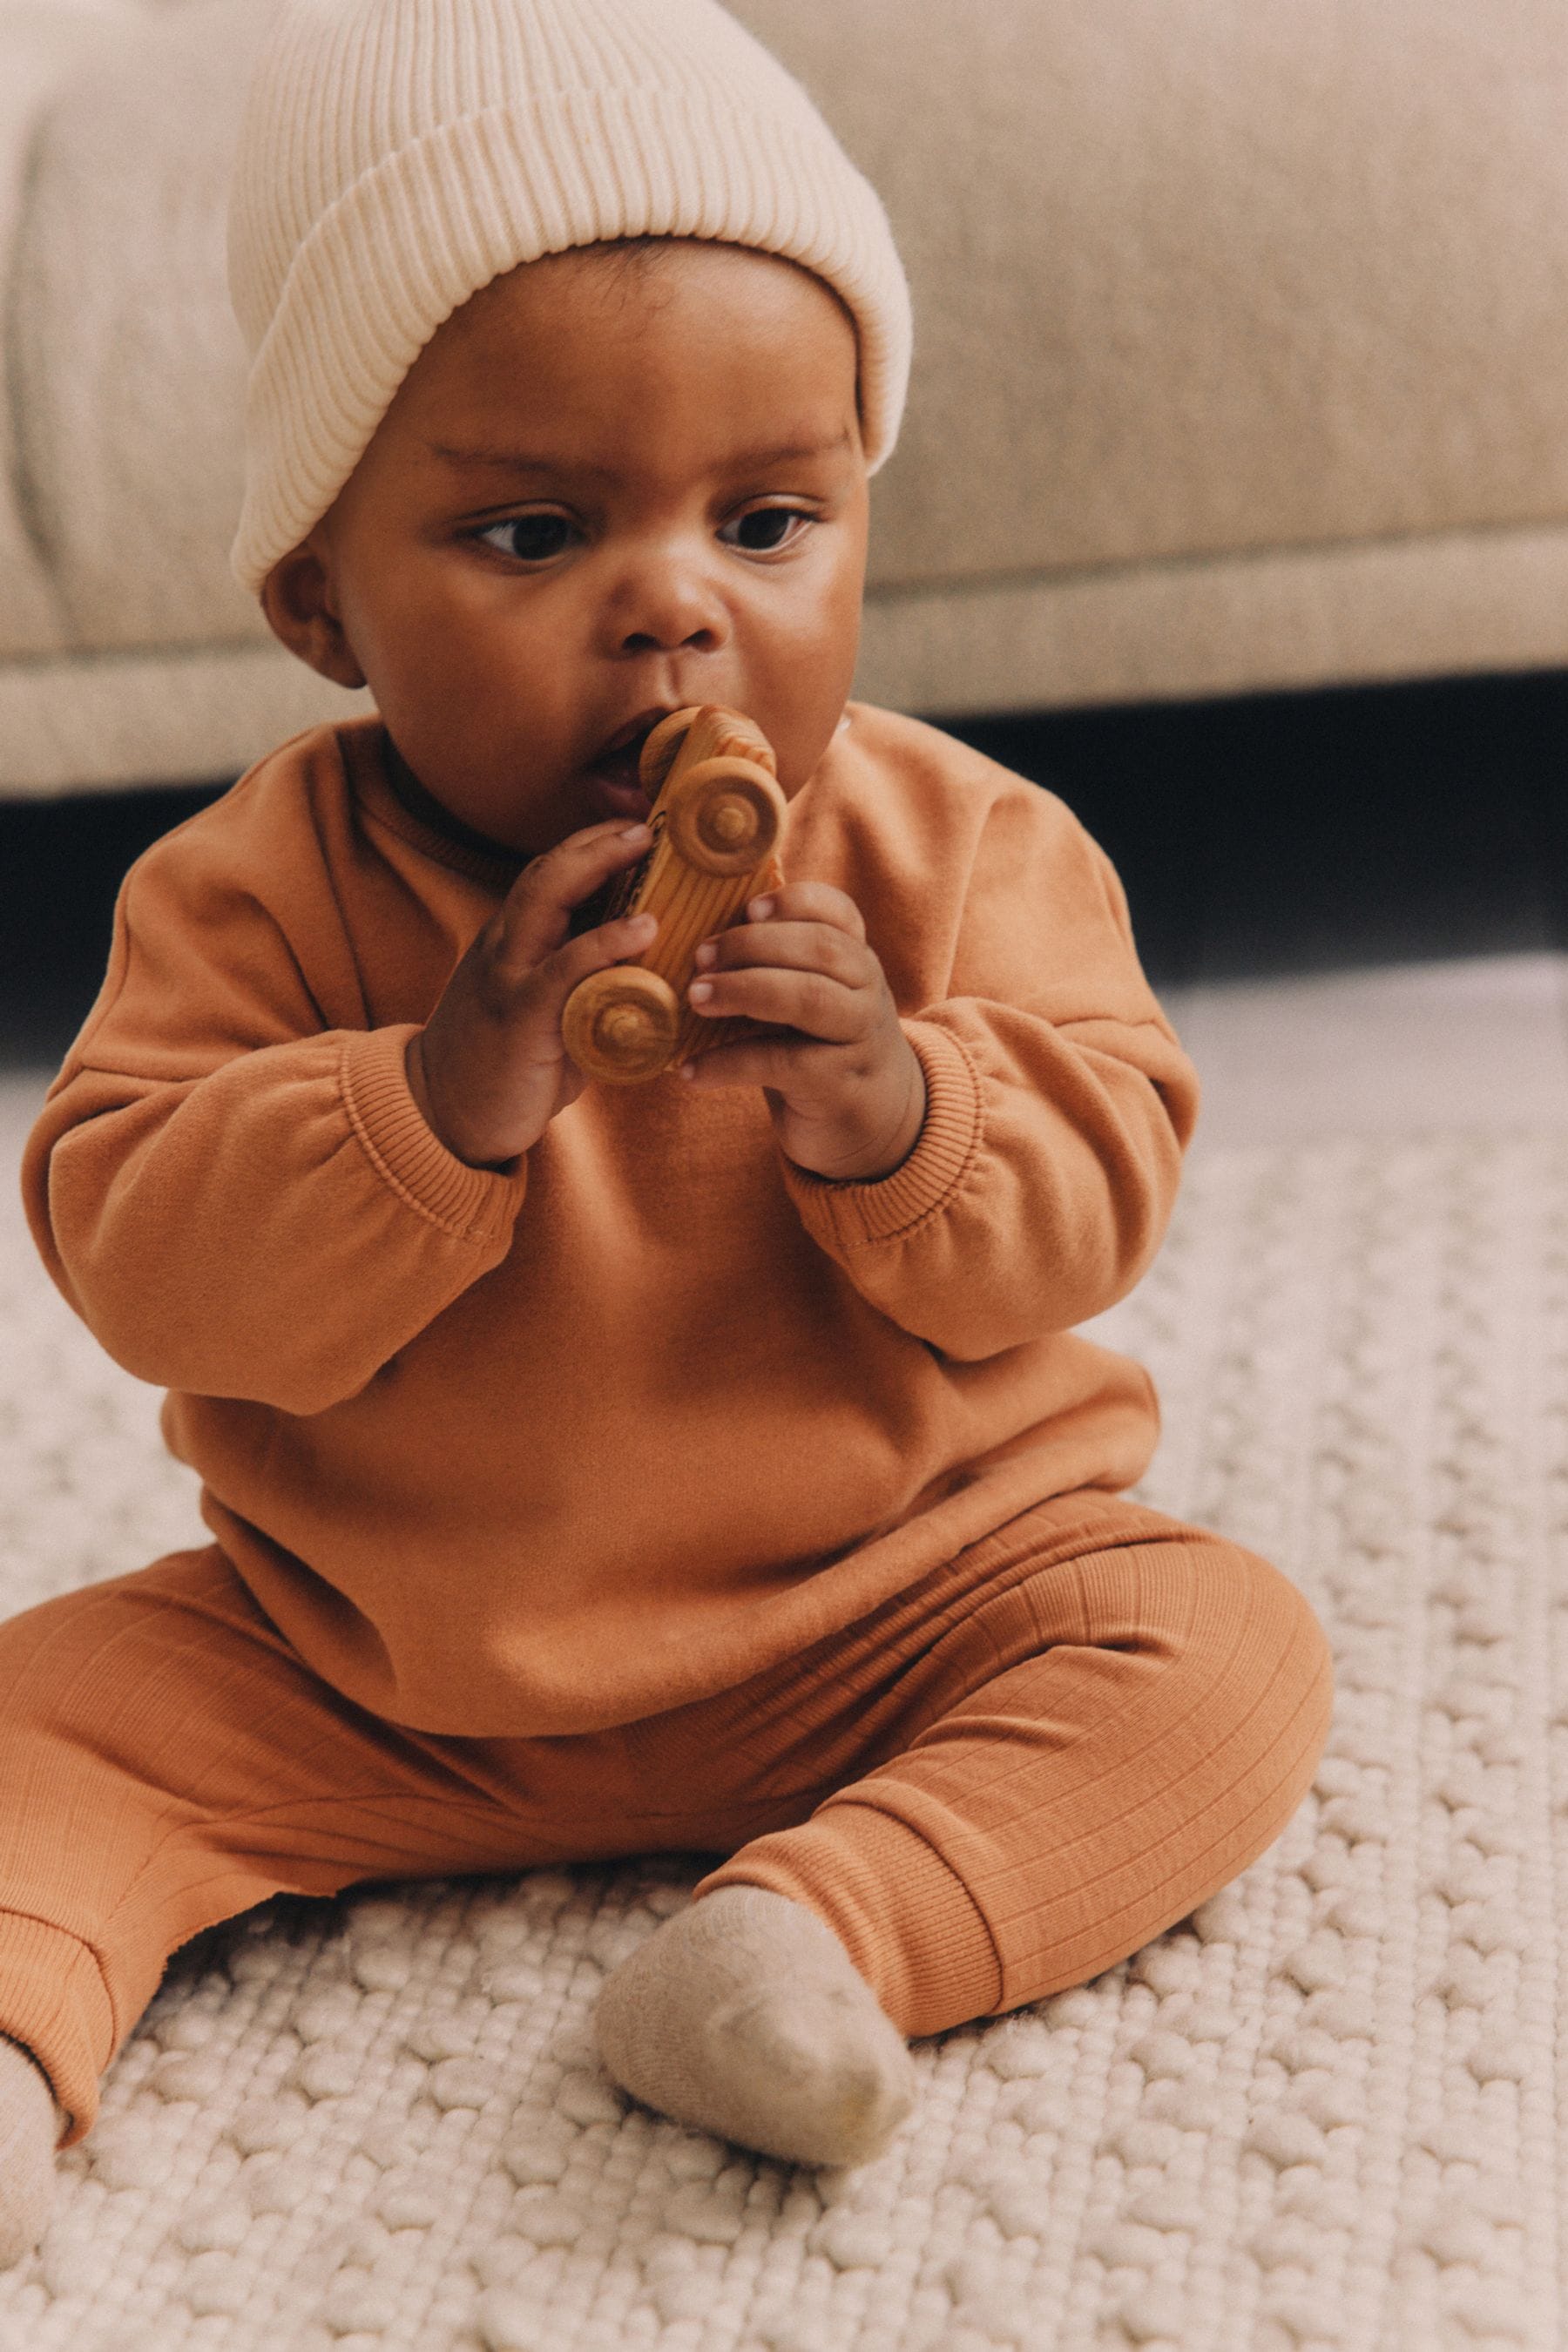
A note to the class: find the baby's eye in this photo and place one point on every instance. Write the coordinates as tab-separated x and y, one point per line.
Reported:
764	530
529	538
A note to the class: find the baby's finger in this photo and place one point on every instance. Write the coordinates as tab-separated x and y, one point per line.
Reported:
810	902
803	947
808	1002
537	914
555	976
765	1061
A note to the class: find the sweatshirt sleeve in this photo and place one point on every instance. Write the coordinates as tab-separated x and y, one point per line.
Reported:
1058	1106
239	1200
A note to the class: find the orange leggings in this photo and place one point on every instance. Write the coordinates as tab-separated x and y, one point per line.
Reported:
999	1782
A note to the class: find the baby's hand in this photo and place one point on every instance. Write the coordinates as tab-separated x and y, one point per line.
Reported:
845	1087
489	1070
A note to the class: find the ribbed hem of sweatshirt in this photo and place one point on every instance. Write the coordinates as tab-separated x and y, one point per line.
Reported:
849	1215
473	1204
842	1864
54	2002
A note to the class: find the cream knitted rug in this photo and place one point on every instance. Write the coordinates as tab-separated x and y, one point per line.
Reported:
1323	2112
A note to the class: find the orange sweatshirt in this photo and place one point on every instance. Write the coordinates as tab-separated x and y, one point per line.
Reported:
544	1452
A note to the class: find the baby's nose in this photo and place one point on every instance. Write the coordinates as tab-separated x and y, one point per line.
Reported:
669	607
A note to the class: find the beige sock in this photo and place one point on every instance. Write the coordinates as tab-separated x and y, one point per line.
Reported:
745	2015
30	2126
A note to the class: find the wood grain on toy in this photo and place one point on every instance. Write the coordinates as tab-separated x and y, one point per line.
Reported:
716	818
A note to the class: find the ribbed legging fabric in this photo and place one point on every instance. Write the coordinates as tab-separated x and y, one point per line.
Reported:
1001	1781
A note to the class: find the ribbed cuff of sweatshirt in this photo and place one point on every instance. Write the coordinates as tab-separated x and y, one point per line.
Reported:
847	1216
473	1204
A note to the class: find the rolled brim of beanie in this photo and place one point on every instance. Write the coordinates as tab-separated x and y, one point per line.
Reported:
414	237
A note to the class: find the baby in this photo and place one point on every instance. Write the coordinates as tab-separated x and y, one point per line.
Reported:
707	1464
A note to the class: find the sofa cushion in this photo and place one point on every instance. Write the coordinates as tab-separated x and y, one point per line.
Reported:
128	364
41	43
1210	276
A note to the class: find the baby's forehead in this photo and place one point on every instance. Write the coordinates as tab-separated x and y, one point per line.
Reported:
703	287
611	343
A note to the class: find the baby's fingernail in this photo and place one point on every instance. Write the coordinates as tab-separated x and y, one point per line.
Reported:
635	832
760	909
689	1069
705	956
700	991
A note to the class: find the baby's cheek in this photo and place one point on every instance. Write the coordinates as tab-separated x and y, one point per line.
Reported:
804	723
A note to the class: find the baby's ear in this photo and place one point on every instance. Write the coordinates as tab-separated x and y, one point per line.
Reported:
297	599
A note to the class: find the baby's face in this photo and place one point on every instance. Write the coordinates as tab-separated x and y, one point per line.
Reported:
610	486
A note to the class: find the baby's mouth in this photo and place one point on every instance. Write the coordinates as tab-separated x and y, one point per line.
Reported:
616	764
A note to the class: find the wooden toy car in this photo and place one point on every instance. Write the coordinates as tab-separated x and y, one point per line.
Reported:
718	811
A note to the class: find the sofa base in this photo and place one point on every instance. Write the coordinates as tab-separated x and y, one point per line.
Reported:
89	722
1461	604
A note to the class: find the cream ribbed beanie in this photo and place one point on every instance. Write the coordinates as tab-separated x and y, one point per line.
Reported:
398	154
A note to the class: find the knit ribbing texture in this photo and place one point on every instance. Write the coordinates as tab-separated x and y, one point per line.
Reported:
397	155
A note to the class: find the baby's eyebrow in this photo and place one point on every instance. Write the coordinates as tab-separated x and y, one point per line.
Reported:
514	461
519	461
792	452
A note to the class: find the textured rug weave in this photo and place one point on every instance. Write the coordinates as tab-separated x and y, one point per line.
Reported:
1323	2113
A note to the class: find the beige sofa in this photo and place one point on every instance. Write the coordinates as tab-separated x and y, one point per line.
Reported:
1240	362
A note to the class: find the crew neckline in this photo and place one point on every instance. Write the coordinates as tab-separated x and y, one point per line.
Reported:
418	817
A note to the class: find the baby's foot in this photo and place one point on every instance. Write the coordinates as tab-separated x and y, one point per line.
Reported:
745	2015
29	2131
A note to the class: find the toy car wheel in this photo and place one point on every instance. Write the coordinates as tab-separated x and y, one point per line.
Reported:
620	1024
725	816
